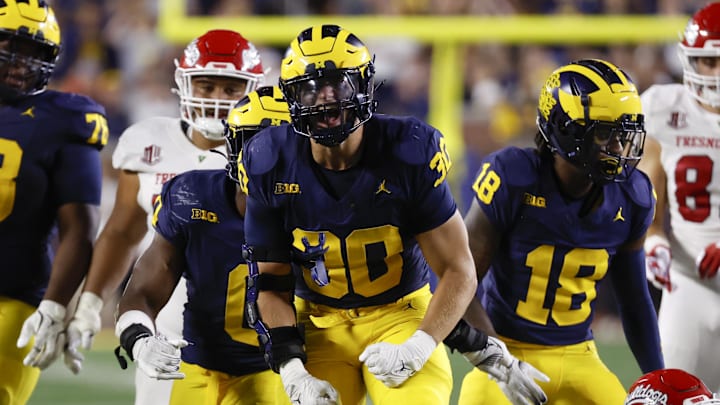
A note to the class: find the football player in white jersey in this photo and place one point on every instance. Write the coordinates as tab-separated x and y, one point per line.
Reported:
682	158
216	70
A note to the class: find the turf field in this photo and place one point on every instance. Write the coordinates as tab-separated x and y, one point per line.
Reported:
102	382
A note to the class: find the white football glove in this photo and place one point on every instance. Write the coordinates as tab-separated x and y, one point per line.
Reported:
46	324
657	262
159	357
82	328
303	388
393	364
516	378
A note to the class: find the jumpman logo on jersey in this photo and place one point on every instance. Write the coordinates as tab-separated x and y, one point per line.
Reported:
201	158
382	188
30	112
618	216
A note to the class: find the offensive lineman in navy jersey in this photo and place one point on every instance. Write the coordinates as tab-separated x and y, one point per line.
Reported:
352	215
552	223
50	187
199	233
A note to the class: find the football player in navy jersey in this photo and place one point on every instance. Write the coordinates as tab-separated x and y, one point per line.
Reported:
198	221
350	211
50	185
547	225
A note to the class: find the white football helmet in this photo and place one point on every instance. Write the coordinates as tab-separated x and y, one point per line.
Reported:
220	53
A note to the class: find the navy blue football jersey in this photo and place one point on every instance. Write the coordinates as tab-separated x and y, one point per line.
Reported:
196	213
368	248
49	156
543	281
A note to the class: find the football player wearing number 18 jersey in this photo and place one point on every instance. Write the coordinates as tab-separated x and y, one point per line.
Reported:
548	225
683	161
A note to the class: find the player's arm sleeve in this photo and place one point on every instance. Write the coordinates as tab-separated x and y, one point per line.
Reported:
264	223
627	274
494	187
77	175
433	202
166	220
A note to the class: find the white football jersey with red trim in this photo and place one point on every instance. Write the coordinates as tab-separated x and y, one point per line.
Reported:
690	140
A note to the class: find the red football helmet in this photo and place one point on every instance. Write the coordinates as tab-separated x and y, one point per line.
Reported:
701	38
669	387
216	53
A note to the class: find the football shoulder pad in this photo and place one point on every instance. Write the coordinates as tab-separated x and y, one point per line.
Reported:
639	189
262	151
517	167
75	102
660	98
130	150
413	141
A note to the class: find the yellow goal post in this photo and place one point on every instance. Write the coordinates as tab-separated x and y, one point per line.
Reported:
446	34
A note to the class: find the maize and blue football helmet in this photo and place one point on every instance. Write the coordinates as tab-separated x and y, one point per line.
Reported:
259	109
589	113
29	47
327	78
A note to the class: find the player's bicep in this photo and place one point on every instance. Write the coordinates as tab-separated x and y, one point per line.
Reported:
483	238
154	277
445	246
127	217
264	229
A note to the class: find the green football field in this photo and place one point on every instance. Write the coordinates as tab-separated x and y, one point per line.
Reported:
102	382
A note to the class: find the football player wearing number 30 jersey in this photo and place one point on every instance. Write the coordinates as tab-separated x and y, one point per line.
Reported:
682	160
50	182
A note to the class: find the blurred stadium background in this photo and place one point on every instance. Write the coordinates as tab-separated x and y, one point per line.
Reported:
472	68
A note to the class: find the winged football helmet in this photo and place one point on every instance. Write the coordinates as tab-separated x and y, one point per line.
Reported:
218	53
701	38
259	109
327	78
670	387
29	47
589	112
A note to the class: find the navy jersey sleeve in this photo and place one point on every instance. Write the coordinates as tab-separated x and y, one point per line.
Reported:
263	220
498	183
77	175
85	119
433	202
643	195
166	221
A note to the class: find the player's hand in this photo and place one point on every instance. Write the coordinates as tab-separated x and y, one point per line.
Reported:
516	378
709	261
303	388
82	328
47	325
159	357
657	262
393	364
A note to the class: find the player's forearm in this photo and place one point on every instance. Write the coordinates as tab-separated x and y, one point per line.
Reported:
113	256
276	309
451	298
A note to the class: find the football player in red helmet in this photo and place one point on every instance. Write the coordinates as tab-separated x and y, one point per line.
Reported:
216	70
670	386
681	160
